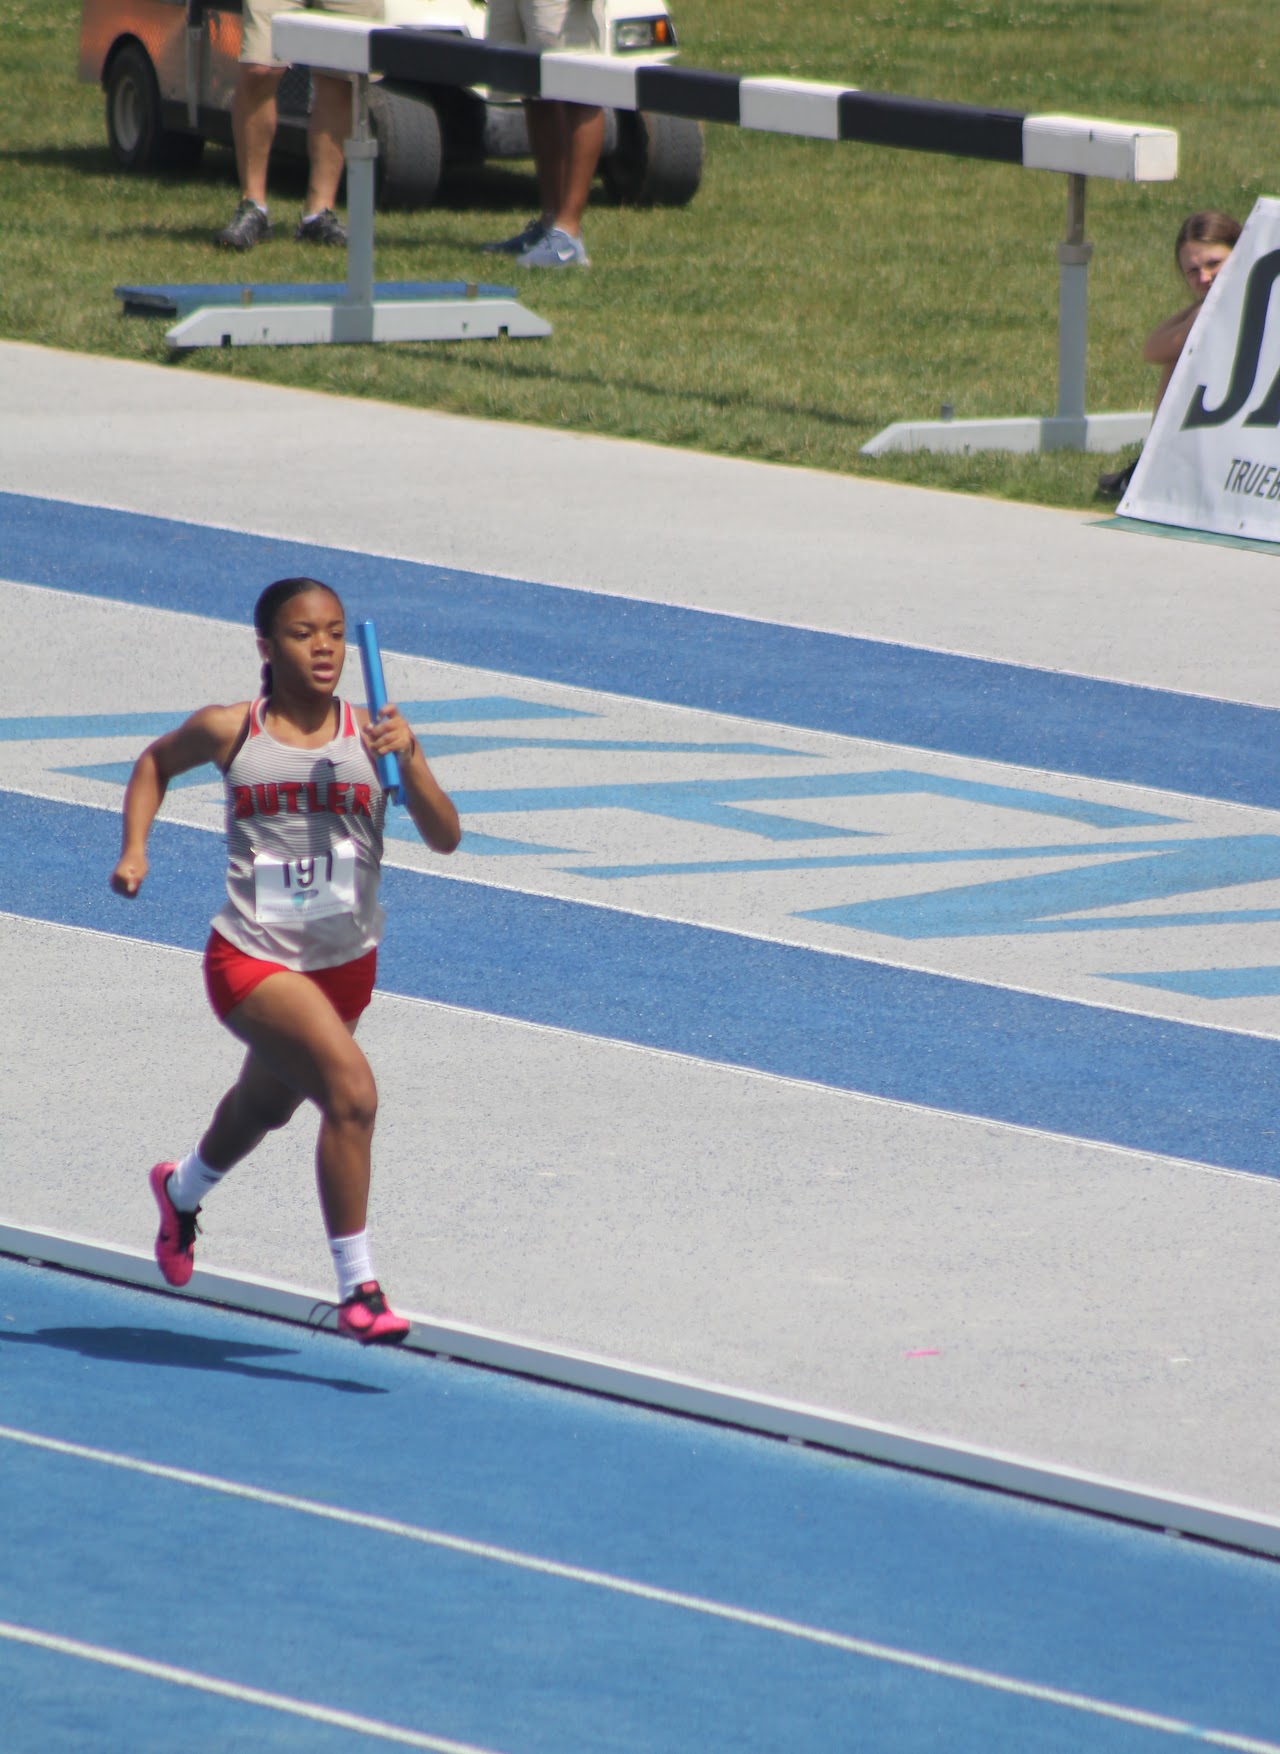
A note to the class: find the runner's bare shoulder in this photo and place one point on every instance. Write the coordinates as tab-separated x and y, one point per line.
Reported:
212	733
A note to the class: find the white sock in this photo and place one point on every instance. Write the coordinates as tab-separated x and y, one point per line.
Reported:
191	1181
352	1262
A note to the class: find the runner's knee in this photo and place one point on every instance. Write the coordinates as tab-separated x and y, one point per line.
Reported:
352	1099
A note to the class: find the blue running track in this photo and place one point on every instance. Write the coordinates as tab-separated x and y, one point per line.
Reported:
223	1532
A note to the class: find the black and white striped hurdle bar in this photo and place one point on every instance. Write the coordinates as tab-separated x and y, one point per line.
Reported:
1076	145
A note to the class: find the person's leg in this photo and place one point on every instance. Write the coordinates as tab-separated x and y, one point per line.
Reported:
253	127
547	143
544	143
327	131
258	1103
567	139
300	1045
299	1048
297	1037
582	138
574	133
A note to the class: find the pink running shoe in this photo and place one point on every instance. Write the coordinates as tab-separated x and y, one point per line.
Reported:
176	1237
366	1317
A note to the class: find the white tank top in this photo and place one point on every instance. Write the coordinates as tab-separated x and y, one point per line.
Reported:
304	847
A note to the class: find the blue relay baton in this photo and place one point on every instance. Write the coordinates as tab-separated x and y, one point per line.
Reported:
375	694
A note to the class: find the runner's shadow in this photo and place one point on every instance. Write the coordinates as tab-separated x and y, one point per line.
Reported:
181	1351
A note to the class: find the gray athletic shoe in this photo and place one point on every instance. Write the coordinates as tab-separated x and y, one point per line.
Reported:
322	228
247	226
531	234
558	249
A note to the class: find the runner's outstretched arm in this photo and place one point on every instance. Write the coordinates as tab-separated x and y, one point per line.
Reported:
206	736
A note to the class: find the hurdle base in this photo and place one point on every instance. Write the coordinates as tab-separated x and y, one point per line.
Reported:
1056	432
309	325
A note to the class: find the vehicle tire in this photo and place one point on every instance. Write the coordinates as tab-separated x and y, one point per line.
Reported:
657	161
506	131
406	126
138	139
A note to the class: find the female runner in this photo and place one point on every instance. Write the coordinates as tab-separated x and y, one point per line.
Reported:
291	959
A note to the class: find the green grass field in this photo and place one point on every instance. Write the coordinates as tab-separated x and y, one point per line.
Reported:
810	294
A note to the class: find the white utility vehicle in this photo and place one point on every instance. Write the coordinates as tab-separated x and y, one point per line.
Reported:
168	68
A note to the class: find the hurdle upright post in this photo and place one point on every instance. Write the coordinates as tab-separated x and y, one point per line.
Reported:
362	153
193	55
1074	255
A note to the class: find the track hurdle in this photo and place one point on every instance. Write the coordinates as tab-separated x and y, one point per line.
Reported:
1075	146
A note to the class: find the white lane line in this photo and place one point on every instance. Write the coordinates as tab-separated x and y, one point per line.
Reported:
622	1586
321	1714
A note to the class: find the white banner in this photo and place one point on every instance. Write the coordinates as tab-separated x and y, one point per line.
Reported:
1212	461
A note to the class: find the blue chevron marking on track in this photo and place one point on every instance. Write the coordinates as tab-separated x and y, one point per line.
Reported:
903	1034
1211	983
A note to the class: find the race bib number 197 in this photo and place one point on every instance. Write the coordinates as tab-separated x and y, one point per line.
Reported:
291	891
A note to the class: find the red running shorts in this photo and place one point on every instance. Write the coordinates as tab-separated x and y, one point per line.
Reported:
230	976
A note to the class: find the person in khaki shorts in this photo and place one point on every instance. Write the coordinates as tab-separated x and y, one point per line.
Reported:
253	125
565	138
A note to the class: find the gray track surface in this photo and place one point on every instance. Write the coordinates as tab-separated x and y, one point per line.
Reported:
1070	1302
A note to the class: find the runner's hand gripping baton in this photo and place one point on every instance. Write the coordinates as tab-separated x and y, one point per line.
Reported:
375	694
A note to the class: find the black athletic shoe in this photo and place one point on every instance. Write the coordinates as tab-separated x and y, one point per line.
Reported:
321	228
1114	483
247	227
